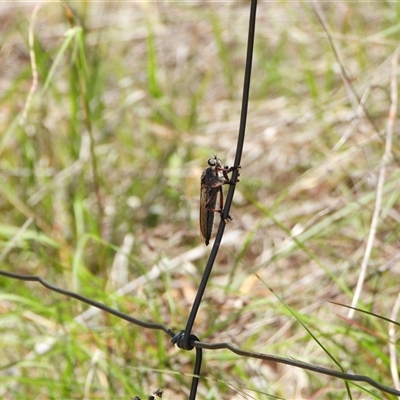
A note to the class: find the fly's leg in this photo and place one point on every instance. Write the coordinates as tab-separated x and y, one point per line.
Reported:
226	170
218	188
221	206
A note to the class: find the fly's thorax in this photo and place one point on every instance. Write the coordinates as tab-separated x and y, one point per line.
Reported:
210	177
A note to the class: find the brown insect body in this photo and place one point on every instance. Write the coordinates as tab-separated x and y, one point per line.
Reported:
212	180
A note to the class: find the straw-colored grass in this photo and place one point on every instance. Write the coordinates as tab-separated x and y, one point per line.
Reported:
107	119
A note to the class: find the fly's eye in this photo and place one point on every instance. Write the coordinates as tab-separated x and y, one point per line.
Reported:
212	162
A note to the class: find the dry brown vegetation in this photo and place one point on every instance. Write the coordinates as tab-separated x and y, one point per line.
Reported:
101	168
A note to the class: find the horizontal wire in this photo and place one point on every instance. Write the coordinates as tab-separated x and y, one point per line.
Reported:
298	364
203	345
94	303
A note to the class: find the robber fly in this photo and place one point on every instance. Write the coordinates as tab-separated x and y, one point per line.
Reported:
212	180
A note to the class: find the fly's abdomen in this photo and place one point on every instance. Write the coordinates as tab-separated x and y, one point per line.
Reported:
210	218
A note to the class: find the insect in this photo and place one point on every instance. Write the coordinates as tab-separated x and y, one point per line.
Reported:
212	180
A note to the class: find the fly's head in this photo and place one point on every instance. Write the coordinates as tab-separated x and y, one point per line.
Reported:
215	164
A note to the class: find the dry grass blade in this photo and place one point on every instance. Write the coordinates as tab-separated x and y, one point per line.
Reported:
122	102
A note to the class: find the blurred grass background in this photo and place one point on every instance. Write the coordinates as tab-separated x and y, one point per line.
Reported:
102	146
